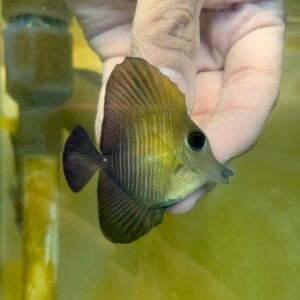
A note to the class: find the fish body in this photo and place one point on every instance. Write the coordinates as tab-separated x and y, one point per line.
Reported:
151	154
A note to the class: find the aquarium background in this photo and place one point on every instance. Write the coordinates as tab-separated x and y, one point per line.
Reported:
241	241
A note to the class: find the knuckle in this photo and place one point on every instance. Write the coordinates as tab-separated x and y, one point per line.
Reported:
173	29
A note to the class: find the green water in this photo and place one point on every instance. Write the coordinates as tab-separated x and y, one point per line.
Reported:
242	241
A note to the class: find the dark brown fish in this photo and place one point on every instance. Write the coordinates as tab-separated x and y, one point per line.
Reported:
151	155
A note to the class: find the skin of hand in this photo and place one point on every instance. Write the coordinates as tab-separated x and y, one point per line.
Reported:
224	55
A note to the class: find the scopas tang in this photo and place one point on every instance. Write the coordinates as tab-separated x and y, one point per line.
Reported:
151	155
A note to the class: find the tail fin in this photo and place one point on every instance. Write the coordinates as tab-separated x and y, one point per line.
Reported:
80	159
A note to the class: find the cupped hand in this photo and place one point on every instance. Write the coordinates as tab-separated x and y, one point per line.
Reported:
225	55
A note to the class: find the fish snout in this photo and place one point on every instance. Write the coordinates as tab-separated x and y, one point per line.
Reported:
225	174
221	174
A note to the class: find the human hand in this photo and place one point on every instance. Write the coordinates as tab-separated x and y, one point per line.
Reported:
227	62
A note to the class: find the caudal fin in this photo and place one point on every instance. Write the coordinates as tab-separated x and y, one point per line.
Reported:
80	159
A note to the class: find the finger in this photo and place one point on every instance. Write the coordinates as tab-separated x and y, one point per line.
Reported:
106	24
166	33
250	89
108	66
188	203
208	88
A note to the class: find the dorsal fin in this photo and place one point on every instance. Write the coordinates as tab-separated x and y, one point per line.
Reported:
136	88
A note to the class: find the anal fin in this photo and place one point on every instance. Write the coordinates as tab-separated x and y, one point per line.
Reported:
123	219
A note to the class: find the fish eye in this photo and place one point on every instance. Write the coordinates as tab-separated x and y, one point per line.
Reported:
196	140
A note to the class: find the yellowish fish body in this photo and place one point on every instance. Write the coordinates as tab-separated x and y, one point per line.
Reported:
152	155
163	168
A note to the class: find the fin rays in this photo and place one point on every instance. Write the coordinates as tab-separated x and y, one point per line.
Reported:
133	89
122	218
80	159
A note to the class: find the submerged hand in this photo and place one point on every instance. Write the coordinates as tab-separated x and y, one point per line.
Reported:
227	62
238	73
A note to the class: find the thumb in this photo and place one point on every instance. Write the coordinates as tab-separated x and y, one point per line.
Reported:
108	67
166	34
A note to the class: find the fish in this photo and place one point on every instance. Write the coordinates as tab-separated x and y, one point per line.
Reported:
151	154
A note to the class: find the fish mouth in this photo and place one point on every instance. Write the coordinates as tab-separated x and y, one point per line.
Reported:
222	175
